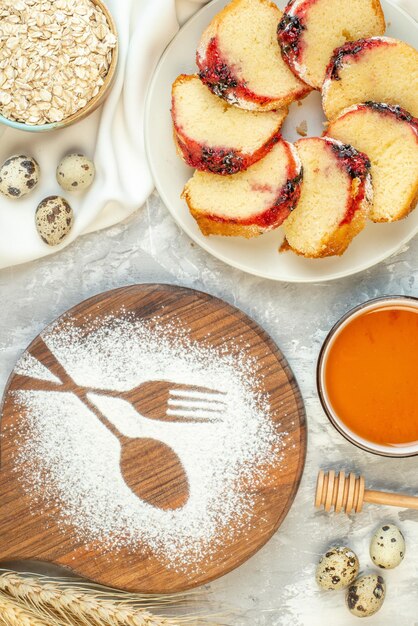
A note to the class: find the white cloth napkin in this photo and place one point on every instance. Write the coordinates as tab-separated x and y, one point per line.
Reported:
112	136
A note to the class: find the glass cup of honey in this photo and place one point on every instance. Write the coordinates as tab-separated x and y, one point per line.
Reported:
367	376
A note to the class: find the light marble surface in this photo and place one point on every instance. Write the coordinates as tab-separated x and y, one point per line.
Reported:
276	587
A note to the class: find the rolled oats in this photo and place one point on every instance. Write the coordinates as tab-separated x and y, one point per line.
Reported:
54	57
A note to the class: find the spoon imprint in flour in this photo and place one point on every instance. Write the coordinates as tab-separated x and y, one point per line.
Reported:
141	458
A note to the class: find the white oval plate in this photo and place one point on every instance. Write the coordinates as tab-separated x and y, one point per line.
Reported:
259	256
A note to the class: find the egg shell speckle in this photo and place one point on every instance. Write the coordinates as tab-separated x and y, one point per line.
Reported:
387	547
337	568
19	175
54	219
366	595
75	172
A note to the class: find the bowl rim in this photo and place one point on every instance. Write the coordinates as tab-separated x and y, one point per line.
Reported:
337	423
92	104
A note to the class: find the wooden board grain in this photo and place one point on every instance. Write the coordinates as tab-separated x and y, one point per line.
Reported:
29	533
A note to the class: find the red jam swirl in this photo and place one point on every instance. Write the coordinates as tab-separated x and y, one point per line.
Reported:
290	30
393	110
355	204
220	160
221	79
350	49
289	34
286	201
357	165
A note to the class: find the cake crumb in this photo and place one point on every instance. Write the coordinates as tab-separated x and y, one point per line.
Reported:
302	129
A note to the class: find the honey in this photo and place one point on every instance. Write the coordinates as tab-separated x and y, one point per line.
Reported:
371	375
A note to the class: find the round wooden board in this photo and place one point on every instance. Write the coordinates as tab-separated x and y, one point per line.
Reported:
31	531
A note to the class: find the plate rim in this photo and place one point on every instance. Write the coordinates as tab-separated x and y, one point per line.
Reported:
195	236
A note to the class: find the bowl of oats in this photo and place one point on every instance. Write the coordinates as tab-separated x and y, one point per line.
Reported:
58	59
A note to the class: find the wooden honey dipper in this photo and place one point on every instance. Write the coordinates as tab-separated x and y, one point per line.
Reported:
347	493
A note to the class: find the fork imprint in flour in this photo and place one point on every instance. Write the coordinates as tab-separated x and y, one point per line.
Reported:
178	402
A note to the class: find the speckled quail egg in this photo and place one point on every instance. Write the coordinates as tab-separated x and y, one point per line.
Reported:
337	568
75	172
54	219
387	547
365	596
18	176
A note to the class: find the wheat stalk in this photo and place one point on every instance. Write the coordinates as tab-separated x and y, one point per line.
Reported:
74	607
64	603
12	614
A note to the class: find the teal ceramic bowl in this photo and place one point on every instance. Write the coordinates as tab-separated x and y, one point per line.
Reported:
29	128
92	105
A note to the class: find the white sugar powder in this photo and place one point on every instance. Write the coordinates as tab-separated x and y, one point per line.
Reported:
29	366
74	459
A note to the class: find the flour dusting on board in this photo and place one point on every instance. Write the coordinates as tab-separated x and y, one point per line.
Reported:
68	458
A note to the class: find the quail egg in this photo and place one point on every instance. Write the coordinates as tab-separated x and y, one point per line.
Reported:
337	568
18	176
387	547
54	219
365	596
75	172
